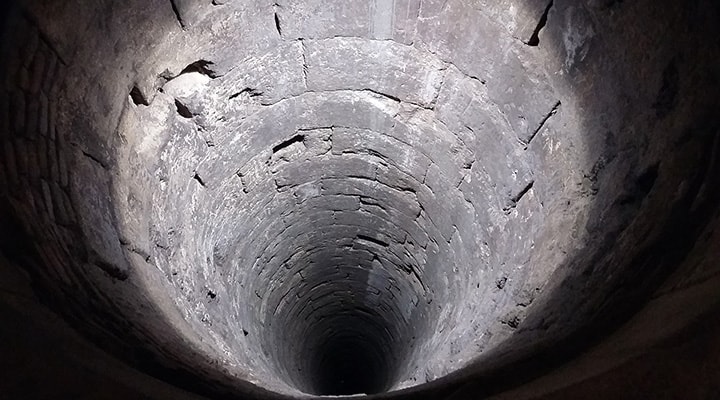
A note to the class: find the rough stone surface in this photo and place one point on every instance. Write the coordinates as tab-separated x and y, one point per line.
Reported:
404	198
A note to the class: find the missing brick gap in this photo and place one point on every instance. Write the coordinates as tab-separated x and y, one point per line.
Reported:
299	138
182	109
137	97
372	240
202	67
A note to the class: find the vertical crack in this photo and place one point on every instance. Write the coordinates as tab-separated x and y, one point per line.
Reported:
178	16
304	63
277	19
436	95
534	38
243	183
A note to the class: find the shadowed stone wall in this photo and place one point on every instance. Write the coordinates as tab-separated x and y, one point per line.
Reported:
401	198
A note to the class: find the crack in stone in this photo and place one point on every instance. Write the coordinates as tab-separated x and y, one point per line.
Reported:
178	16
277	19
304	62
552	112
436	95
251	92
134	249
93	158
112	270
534	38
427	107
199	179
516	199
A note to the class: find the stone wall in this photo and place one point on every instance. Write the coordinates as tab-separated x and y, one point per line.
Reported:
280	199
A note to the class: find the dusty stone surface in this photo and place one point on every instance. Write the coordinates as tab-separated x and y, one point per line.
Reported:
274	197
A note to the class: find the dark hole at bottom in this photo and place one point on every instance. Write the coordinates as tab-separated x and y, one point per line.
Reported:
351	365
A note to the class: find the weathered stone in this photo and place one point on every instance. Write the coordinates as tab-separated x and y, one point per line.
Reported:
318	19
9	162
37	69
18	111
32	120
353	63
298	198
97	221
